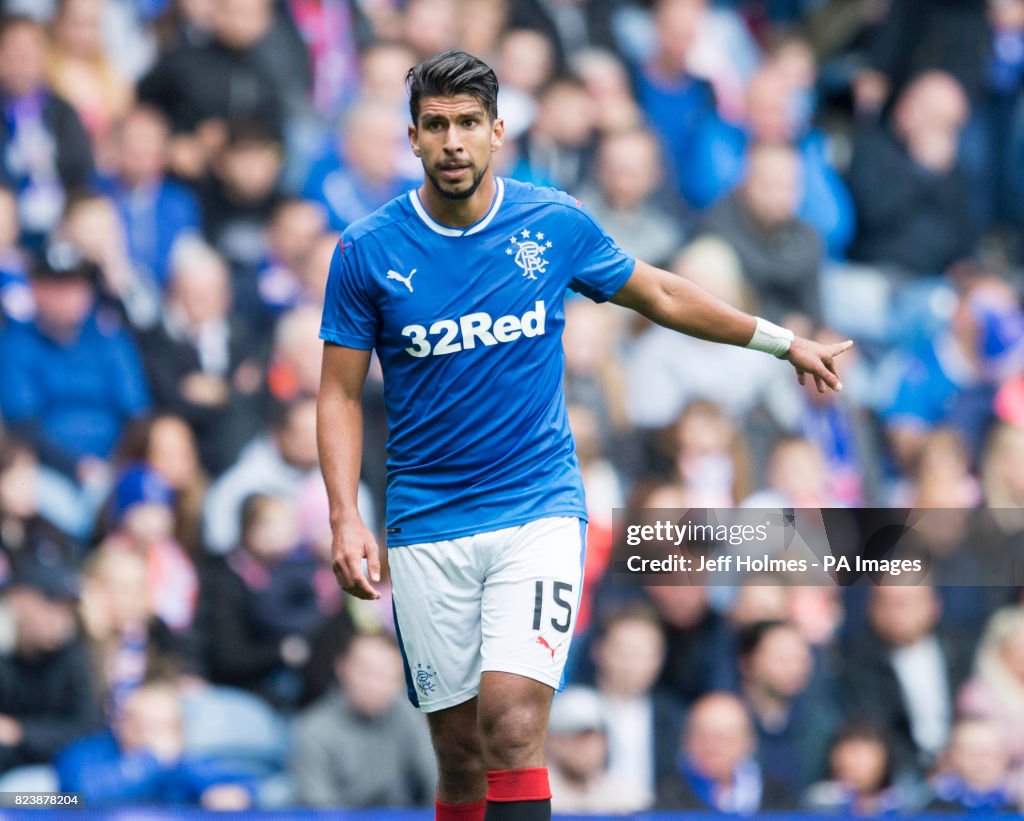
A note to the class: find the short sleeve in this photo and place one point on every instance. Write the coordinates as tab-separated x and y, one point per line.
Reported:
601	267
350	317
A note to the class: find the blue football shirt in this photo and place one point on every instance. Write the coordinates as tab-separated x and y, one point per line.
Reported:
467	324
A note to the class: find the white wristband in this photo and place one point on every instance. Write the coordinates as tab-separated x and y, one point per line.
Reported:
770	338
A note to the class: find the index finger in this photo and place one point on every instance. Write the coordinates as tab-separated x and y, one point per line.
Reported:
841	347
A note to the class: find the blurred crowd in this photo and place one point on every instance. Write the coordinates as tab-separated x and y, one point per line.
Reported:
174	177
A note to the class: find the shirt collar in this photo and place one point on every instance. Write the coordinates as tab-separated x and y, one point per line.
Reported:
447	230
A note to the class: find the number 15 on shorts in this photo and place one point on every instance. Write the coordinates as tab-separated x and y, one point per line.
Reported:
555	599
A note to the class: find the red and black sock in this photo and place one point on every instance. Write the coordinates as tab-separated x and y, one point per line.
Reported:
518	795
474	811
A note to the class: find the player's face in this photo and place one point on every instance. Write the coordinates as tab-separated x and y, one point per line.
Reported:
455	138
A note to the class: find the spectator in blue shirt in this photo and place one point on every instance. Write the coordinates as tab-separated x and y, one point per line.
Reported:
718	152
363	174
143	758
71	379
155	211
673	100
951	379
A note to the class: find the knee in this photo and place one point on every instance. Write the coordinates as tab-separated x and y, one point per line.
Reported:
513	736
459	758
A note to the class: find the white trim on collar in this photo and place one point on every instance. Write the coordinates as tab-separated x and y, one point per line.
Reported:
447	231
490	215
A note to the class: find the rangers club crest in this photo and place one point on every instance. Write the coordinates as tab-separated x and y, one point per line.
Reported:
425	676
529	253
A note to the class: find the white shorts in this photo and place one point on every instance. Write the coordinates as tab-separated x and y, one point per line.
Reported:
505	601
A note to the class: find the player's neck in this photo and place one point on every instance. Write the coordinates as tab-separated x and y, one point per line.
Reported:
459	213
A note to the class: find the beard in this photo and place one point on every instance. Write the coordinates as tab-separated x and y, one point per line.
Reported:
478	177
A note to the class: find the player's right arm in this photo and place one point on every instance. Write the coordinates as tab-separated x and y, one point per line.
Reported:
339	434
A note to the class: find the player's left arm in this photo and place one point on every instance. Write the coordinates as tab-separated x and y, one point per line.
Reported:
679	304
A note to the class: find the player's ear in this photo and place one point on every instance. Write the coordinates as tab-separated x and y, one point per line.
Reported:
412	141
497	134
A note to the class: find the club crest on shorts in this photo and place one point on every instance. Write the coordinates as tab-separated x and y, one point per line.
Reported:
425	679
529	253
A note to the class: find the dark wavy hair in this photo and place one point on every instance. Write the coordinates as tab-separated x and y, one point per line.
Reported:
450	74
